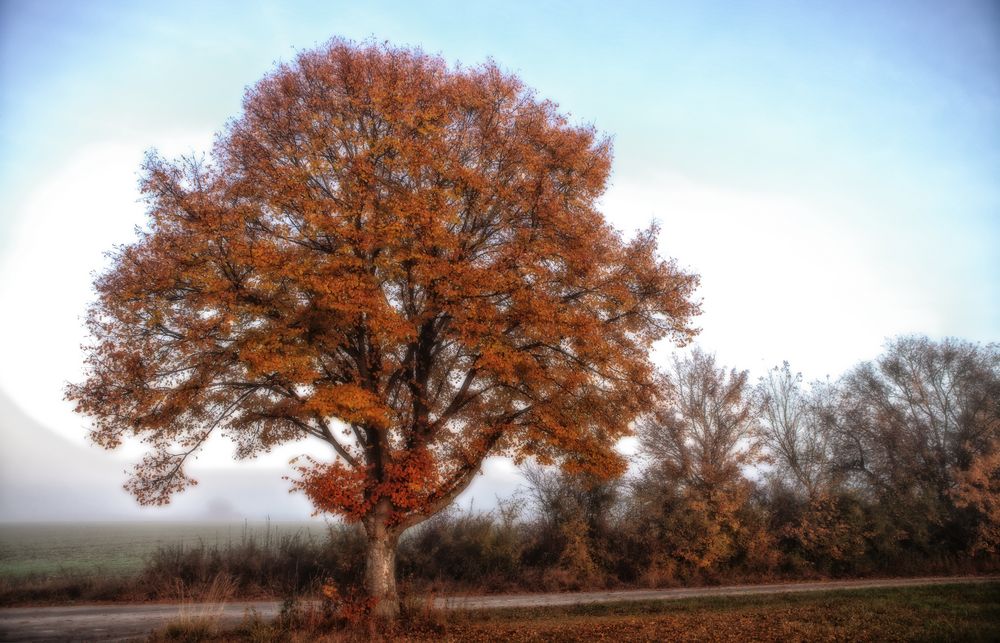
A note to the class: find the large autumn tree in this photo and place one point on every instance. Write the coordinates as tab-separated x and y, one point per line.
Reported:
400	259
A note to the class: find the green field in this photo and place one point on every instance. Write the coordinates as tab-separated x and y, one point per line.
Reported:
121	548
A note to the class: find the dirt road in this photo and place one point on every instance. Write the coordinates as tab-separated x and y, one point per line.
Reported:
134	621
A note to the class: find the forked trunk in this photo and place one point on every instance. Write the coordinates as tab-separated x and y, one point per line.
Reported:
380	571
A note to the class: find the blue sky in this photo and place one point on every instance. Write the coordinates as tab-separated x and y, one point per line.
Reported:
830	169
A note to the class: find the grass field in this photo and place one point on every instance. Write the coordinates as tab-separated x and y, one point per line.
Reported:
938	613
121	548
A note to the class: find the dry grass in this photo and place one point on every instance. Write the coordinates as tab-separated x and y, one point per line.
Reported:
259	568
200	612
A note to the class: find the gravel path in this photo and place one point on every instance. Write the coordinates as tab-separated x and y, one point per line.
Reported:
134	621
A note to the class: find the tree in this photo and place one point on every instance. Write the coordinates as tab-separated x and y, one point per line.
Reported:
917	428
978	490
792	430
702	433
402	260
573	523
706	427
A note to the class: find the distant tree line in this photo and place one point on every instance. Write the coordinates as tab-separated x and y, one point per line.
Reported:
892	468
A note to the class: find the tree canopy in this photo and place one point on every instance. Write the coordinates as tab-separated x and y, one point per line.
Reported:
401	259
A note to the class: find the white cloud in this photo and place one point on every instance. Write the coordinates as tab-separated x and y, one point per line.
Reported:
781	278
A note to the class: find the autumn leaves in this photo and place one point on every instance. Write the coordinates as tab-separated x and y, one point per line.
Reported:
401	259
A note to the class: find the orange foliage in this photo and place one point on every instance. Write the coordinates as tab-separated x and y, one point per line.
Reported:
400	259
829	529
704	524
978	488
699	437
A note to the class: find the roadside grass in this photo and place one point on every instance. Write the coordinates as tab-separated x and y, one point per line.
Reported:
201	611
67	588
934	613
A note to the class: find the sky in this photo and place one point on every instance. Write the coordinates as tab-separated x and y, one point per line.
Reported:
831	170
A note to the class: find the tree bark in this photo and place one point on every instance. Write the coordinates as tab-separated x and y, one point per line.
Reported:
380	568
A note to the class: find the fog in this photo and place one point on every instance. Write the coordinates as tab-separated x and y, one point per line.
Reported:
44	477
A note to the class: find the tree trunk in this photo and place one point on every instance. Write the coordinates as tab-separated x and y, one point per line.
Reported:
380	570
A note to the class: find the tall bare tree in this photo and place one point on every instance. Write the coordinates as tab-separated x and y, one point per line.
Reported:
706	427
703	433
793	430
